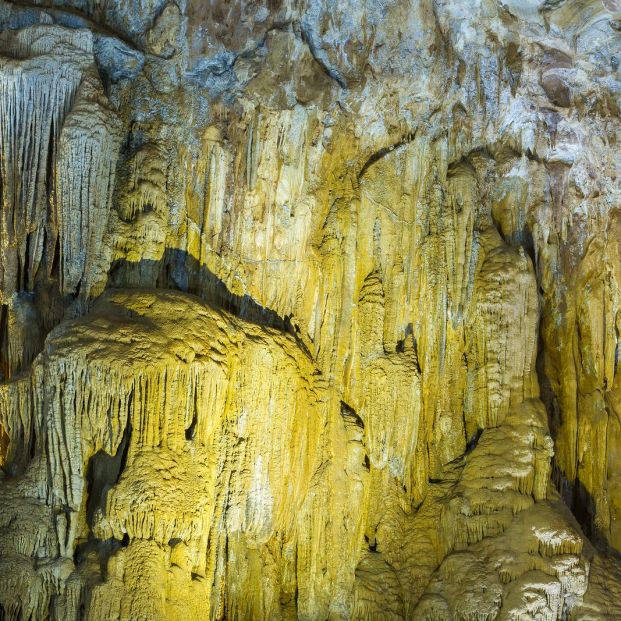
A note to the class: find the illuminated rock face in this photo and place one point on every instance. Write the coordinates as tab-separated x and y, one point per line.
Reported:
310	310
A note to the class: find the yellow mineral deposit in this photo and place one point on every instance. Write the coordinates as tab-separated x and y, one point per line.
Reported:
310	310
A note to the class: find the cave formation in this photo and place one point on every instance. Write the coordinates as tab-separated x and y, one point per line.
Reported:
310	309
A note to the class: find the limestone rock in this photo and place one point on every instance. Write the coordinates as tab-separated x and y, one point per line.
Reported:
310	310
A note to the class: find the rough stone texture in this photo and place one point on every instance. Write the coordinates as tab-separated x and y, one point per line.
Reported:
310	309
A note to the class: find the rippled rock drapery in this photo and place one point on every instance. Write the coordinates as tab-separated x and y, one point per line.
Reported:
310	310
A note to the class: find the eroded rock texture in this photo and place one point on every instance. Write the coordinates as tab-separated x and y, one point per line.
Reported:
310	310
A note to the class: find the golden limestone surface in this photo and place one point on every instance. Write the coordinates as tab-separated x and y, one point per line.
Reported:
310	309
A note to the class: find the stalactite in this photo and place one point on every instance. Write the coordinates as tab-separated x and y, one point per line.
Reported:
396	392
84	174
35	97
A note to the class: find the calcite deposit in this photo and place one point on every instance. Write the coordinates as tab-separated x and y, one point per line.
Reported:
310	309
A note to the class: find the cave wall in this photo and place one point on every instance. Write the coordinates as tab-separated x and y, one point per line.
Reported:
310	309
